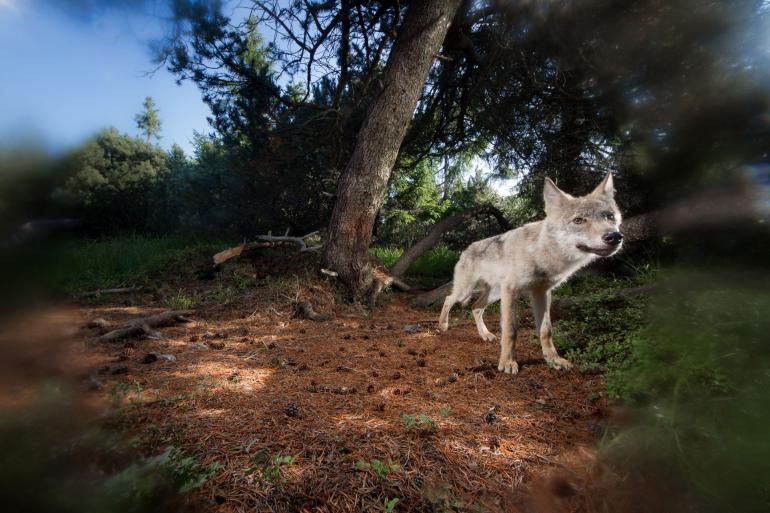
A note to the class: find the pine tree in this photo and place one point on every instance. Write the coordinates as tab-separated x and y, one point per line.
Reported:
148	121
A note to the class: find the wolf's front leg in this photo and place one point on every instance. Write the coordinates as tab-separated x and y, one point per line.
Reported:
541	305
508	331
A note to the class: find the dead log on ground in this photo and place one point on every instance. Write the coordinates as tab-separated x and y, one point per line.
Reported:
144	325
103	292
433	297
268	241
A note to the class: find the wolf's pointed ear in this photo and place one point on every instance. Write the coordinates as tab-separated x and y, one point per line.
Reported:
552	195
605	188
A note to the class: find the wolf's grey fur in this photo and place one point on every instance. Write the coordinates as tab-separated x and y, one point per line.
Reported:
535	258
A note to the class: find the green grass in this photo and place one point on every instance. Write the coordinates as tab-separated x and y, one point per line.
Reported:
126	261
72	266
439	262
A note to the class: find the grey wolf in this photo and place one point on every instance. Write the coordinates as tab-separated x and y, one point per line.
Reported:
535	258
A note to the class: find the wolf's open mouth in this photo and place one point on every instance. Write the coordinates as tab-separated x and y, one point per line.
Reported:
605	251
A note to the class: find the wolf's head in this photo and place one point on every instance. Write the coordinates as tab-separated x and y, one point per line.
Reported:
589	224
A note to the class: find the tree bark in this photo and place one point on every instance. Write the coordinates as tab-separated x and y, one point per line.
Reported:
362	187
440	228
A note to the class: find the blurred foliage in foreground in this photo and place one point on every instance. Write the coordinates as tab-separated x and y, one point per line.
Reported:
698	371
53	461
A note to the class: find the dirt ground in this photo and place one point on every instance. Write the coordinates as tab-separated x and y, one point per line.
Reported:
248	382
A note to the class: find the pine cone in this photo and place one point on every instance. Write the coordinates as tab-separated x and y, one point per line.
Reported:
292	410
216	344
128	351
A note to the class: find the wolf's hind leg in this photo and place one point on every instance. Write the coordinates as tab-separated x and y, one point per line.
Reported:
443	320
478	313
507	361
541	306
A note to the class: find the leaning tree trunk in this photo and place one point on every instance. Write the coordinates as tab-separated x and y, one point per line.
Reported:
362	187
440	228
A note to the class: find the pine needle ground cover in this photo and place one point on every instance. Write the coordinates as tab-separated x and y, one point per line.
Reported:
354	414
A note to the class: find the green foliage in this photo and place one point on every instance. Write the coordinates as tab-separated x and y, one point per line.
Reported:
421	422
597	334
110	181
268	468
180	300
148	121
698	371
381	469
53	461
390	504
83	265
439	262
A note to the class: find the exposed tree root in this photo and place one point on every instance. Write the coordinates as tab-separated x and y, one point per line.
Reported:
304	310
145	325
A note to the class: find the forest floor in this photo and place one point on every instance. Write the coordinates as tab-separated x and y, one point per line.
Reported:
342	415
264	411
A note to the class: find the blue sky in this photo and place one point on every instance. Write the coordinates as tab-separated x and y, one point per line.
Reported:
66	74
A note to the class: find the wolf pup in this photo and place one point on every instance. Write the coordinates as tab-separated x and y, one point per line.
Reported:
535	258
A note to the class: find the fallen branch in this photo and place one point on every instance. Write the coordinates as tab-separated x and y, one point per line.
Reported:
268	241
233	252
144	325
102	292
433	297
300	241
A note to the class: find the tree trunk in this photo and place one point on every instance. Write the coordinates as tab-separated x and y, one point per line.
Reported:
439	229
362	187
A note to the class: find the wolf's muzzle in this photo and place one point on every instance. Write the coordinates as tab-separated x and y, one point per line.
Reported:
612	238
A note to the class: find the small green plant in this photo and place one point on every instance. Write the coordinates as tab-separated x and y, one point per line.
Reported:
421	422
180	301
445	411
268	468
380	468
390	504
189	473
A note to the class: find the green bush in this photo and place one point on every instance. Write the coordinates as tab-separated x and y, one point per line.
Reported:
698	371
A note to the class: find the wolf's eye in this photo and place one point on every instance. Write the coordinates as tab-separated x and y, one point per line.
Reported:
578	220
609	216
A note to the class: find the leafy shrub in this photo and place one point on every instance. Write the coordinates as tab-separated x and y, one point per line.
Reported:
698	372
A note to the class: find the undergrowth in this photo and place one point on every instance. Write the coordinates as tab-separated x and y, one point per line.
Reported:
697	374
438	263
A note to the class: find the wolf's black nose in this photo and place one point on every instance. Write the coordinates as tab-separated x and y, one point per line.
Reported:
612	238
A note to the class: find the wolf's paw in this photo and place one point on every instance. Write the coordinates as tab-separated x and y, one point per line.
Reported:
488	336
508	366
443	326
559	363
